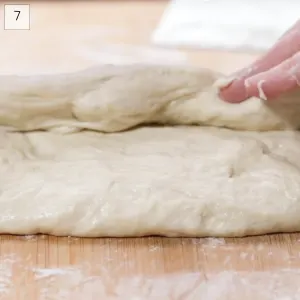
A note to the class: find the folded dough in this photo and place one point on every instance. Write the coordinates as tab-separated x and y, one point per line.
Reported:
116	98
173	181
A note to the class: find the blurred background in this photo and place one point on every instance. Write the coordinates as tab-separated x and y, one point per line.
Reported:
71	35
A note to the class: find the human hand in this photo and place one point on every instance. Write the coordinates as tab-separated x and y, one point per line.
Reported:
276	72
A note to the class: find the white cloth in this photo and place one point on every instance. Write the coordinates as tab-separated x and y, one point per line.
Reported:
231	24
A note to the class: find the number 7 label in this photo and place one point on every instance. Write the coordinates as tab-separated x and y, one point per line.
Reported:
16	16
18	13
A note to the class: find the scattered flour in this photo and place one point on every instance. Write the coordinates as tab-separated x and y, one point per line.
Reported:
6	273
30	237
211	242
154	248
76	284
90	281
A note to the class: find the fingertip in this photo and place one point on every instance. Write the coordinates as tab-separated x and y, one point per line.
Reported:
234	93
229	97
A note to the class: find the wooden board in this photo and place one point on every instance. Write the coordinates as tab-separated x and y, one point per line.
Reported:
150	268
67	36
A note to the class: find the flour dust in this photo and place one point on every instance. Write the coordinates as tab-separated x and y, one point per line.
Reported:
22	280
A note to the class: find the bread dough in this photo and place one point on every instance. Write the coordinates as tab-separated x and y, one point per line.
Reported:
116	98
163	180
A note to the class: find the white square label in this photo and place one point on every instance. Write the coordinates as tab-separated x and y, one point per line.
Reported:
17	16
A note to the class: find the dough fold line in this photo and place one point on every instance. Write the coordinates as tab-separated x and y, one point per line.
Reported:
116	98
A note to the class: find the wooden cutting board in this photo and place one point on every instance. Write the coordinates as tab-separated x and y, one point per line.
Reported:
67	36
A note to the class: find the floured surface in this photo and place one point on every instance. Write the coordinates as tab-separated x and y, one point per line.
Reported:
75	283
114	272
225	285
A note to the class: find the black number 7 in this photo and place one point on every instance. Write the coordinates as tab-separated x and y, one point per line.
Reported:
17	11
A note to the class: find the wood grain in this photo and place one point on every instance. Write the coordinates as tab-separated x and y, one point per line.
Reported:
114	265
47	267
